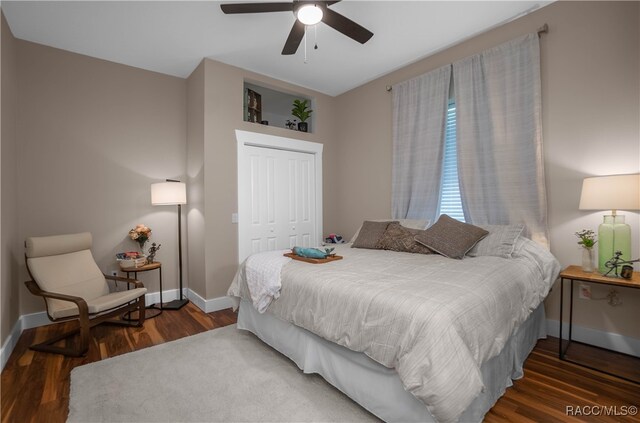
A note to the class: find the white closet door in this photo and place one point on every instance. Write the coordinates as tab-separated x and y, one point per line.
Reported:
277	200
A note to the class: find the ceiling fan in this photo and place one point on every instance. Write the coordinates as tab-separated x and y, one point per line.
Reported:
307	12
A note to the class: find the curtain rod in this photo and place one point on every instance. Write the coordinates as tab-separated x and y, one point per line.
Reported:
544	29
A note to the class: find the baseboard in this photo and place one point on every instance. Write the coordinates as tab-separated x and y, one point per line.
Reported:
609	340
10	343
209	306
28	321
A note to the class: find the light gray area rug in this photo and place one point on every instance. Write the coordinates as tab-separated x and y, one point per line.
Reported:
223	375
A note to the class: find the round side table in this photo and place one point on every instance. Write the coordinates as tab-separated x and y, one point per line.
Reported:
156	309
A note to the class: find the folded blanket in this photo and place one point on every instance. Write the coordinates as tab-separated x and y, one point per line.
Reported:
263	277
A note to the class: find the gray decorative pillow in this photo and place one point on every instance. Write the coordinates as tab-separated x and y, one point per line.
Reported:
500	242
450	237
407	223
399	238
370	234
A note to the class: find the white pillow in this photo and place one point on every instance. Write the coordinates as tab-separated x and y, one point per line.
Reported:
500	242
407	223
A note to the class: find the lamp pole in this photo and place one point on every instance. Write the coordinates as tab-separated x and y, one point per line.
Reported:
180	302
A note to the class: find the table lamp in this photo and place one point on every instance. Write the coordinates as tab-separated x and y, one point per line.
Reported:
615	192
172	193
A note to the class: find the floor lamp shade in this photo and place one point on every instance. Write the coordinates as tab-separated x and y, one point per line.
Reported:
616	192
171	193
168	193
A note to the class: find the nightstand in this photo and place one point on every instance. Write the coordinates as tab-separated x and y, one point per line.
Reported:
575	273
156	310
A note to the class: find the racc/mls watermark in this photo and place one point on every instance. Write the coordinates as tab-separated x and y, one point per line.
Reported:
601	410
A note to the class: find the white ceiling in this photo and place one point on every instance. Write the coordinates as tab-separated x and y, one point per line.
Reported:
172	37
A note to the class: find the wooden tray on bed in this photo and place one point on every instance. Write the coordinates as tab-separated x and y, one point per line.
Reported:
313	260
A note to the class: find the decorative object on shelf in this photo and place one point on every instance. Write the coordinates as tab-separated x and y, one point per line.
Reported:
171	193
152	252
615	192
302	111
587	240
615	262
141	235
264	122
291	124
254	106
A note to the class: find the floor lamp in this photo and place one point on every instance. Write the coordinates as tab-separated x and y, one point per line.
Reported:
171	193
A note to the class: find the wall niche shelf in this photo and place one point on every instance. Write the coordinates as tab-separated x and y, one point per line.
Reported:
269	106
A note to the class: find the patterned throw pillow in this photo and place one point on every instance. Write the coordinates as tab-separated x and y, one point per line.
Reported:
370	234
450	237
399	238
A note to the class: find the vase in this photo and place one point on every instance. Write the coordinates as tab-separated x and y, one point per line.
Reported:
303	126
142	244
587	260
613	235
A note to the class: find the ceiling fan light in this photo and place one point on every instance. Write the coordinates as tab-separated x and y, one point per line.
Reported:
309	14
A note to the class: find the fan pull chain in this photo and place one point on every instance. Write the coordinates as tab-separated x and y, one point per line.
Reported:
315	36
305	44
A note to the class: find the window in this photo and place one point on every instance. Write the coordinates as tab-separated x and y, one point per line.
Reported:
450	202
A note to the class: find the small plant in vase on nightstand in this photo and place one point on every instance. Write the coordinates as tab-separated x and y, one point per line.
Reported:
302	112
587	240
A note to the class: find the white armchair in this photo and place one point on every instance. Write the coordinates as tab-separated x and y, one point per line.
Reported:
65	274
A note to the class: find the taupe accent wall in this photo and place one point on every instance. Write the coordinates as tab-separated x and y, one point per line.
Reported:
93	135
591	107
10	261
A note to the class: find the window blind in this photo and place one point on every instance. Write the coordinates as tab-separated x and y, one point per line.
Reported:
450	202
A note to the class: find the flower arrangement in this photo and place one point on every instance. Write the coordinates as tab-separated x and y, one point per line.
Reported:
587	238
140	234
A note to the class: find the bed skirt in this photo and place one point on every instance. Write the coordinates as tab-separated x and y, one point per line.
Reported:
377	388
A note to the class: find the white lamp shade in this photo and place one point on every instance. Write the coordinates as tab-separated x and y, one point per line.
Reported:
168	193
616	192
310	14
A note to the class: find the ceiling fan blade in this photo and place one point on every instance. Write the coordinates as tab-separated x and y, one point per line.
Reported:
256	7
346	26
294	39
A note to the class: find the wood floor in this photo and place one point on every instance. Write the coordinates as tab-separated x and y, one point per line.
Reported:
35	386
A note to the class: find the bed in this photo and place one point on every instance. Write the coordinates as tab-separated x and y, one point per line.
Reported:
410	337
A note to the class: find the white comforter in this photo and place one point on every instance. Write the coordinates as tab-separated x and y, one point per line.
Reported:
435	320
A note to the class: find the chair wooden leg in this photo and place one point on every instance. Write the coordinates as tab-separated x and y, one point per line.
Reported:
84	330
47	346
141	310
85	326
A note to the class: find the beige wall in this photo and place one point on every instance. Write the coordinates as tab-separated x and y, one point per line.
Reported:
223	111
9	244
93	136
195	178
591	107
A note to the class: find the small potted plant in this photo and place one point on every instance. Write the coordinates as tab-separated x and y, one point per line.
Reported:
587	240
302	111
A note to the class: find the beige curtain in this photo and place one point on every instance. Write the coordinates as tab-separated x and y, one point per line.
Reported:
419	118
499	130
